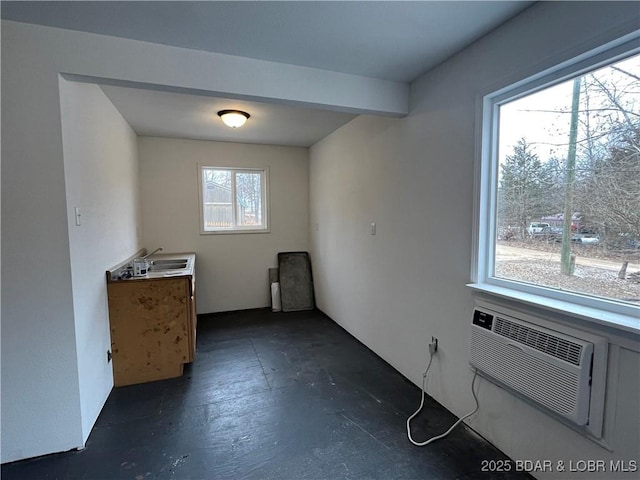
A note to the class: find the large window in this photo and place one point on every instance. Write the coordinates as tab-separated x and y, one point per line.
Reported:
233	200
559	214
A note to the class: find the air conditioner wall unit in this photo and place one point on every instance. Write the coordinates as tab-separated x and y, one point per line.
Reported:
552	369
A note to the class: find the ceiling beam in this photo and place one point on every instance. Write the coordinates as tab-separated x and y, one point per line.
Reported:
125	62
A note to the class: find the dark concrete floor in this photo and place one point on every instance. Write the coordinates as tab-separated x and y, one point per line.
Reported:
270	396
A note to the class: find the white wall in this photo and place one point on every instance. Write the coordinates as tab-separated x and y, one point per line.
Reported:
414	177
40	402
231	269
101	176
65	146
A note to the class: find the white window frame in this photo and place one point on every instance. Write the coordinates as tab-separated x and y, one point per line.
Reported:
236	229
598	310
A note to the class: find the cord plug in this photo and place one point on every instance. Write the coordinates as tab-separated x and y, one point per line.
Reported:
433	346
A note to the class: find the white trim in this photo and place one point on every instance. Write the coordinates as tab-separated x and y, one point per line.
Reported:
619	315
264	185
621	322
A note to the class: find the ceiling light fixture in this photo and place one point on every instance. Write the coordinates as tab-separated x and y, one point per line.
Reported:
233	118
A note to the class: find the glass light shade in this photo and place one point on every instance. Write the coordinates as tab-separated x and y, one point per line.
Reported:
233	118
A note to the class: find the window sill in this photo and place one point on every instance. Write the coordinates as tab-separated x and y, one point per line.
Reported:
620	322
232	232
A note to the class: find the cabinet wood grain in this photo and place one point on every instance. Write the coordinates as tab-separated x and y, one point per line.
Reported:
153	328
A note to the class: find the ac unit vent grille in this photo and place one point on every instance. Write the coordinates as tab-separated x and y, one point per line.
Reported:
543	342
542	381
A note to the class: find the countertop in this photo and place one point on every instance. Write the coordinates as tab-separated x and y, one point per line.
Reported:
115	274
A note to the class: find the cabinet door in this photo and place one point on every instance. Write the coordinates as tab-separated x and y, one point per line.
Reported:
150	332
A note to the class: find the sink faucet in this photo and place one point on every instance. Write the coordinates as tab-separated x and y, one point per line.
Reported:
155	251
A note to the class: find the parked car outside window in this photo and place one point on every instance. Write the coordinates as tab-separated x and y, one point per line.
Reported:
536	228
555	234
549	233
585	239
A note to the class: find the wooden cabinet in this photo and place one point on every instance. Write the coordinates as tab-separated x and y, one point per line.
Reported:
193	318
153	327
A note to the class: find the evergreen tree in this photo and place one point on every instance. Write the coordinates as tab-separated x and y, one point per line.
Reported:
522	188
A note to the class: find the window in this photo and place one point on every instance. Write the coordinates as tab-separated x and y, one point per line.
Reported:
233	200
559	205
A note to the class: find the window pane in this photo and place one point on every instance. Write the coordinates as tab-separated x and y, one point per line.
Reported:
568	196
217	199
233	200
249	199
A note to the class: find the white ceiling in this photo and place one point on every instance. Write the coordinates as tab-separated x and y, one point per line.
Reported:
388	40
166	114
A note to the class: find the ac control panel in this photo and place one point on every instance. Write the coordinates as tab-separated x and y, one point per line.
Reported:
482	319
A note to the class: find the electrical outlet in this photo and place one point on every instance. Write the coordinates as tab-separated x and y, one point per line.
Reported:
433	346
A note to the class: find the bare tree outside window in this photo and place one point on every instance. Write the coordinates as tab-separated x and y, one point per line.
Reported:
249	197
579	186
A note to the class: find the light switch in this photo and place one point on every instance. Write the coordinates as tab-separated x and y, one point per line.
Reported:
78	216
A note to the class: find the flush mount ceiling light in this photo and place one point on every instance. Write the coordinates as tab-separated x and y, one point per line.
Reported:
233	118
